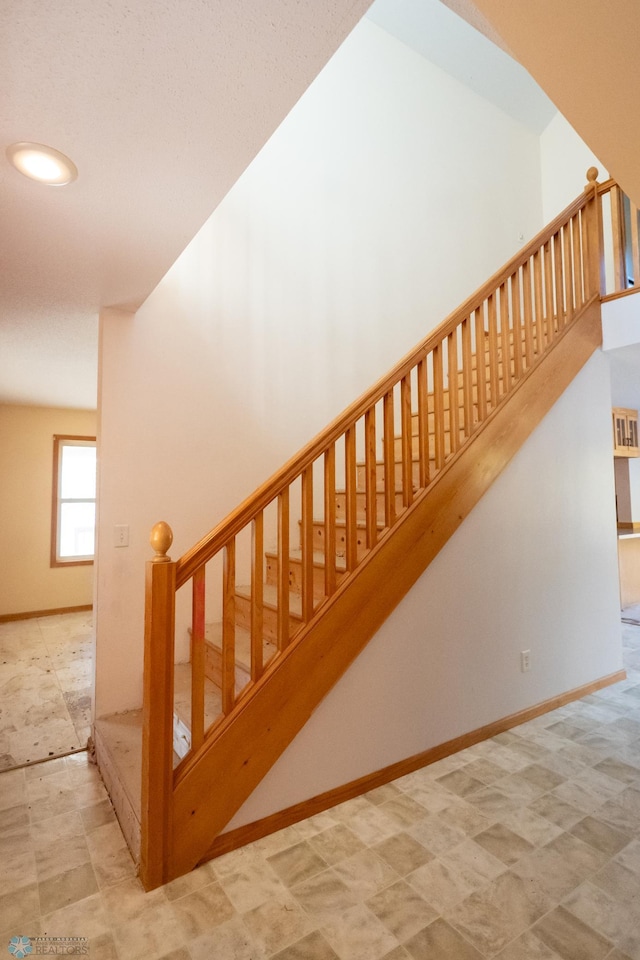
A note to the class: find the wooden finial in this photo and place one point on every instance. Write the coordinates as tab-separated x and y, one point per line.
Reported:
161	539
592	174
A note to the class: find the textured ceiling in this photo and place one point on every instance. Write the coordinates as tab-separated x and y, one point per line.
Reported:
161	105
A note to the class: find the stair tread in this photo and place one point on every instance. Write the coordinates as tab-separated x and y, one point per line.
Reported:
213	636
318	557
182	696
270	598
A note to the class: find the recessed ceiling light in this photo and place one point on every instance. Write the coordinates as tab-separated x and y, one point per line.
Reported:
42	163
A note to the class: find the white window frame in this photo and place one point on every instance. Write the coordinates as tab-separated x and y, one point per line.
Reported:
59	442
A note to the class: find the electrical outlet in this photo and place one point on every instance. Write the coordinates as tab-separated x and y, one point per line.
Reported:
525	660
121	535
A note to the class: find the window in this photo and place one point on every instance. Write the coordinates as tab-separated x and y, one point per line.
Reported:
74	500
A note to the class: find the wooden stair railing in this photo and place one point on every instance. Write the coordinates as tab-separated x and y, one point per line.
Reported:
619	239
340	500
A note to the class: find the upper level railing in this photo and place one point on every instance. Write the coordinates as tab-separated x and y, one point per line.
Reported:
619	241
254	585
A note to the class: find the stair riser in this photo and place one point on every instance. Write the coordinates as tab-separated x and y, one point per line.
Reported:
361	506
295	577
341	541
361	475
213	668
415	446
270	619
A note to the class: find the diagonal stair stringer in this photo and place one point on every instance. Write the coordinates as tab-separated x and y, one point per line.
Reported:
213	784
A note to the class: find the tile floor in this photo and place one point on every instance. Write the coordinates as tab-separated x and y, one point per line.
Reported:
525	847
45	687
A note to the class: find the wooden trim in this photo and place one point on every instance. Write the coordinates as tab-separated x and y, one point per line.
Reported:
157	723
348	791
53	612
620	293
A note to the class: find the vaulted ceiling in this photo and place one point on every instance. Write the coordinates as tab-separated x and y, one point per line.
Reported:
584	55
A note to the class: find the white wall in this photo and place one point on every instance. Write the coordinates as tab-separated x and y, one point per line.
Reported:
389	193
564	161
620	329
534	568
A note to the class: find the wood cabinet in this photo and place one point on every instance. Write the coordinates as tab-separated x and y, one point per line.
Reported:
625	432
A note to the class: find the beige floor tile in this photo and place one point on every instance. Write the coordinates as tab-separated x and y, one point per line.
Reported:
484	770
335	843
203	909
403	911
313	947
439	941
461	782
19	906
601	835
253	885
503	843
277	924
630	857
400	953
230	940
372	824
616	880
103	947
475	864
359	935
436	834
67	887
128	900
297	863
403	853
483	924
404	810
546	871
528	947
324	895
190	882
441	885
571	938
520	899
388	791
60	856
533	828
492	802
584	859
45	678
152	934
85	918
558	810
602	912
365	873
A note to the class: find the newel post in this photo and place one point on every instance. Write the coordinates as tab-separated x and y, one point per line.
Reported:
157	714
594	237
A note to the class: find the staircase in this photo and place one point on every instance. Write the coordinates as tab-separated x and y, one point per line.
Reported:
287	591
453	436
